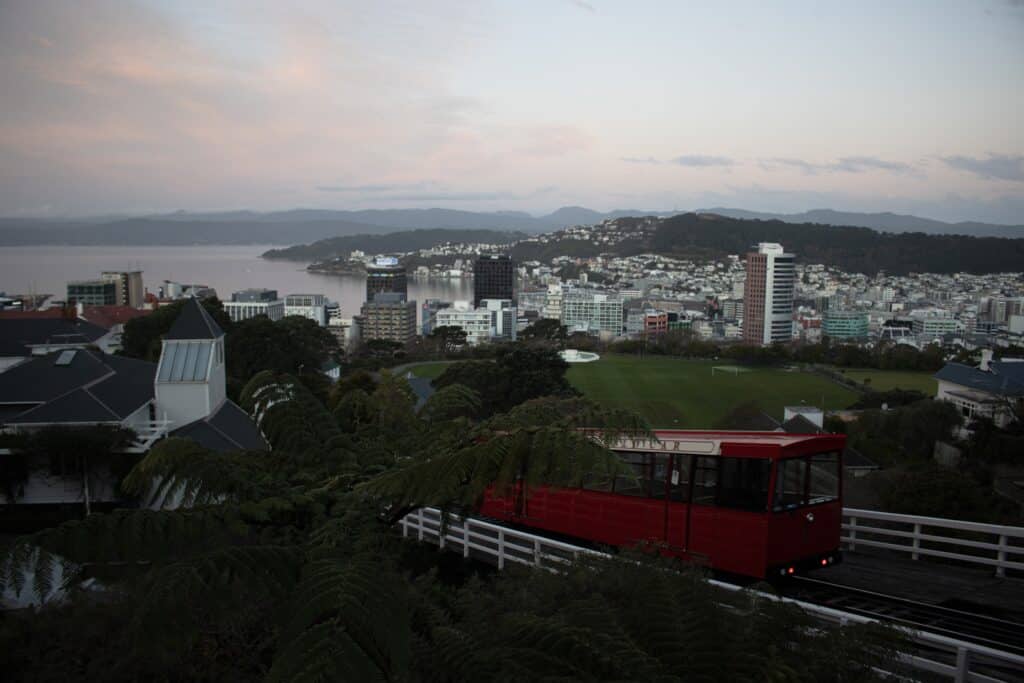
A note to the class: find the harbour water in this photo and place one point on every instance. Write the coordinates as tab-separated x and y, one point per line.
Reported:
47	269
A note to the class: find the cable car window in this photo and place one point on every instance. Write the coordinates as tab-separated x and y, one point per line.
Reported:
705	481
824	477
791	484
597	481
657	476
679	478
634	481
743	483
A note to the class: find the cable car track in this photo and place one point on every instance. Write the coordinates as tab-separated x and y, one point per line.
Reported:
995	632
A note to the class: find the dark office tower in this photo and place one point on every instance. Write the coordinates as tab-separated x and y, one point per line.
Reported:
494	277
383	276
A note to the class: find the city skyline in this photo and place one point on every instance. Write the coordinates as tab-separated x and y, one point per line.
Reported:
141	107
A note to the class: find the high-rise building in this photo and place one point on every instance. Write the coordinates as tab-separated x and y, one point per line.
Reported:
129	289
768	295
385	275
93	292
390	317
494	277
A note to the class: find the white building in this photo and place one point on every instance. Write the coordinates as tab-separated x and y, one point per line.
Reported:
768	295
476	322
598	313
244	310
312	306
994	389
346	331
503	318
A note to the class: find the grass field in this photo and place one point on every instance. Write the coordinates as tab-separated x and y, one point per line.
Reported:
428	370
684	394
883	380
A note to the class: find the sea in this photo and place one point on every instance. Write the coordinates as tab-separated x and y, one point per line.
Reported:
226	268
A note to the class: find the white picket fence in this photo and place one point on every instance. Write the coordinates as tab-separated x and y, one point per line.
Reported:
994	546
955	659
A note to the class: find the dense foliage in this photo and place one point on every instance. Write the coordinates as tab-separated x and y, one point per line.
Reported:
281	565
517	374
394	242
142	335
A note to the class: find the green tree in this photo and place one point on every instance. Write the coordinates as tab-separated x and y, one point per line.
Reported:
448	338
545	330
142	335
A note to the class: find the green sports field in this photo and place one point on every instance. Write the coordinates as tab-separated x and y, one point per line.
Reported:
884	380
428	370
685	394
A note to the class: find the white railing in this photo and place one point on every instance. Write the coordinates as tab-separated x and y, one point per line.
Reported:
990	545
147	433
496	544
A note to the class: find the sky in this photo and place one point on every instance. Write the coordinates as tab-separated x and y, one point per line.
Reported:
122	106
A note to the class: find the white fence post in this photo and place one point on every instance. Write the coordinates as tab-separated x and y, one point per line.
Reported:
536	552
917	541
501	549
963	665
465	538
853	533
419	523
1001	556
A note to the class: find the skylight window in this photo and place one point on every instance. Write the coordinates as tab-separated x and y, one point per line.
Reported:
185	361
65	357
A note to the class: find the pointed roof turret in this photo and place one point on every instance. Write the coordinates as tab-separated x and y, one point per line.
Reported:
194	323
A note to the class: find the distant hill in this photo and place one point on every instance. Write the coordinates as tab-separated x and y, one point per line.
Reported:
886	222
852	248
392	242
309	225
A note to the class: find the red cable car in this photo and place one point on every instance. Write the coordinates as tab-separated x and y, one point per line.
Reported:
758	504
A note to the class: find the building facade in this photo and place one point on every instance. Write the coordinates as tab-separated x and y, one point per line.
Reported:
93	292
593	312
845	324
494	277
388	317
475	322
250	303
768	295
386	275
428	314
503	315
129	288
312	306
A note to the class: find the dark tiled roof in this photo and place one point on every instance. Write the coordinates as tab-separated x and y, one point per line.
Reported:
92	387
18	334
194	323
1004	379
229	429
798	424
854	459
39	379
73	407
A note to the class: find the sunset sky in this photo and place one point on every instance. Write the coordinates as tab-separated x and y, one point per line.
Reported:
129	107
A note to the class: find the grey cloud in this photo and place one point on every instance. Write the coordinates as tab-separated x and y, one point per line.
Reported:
858	164
854	164
402	193
584	5
702	161
1000	166
638	160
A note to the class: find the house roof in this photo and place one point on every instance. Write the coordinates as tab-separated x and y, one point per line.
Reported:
89	387
852	458
194	323
109	316
19	334
1003	379
228	429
